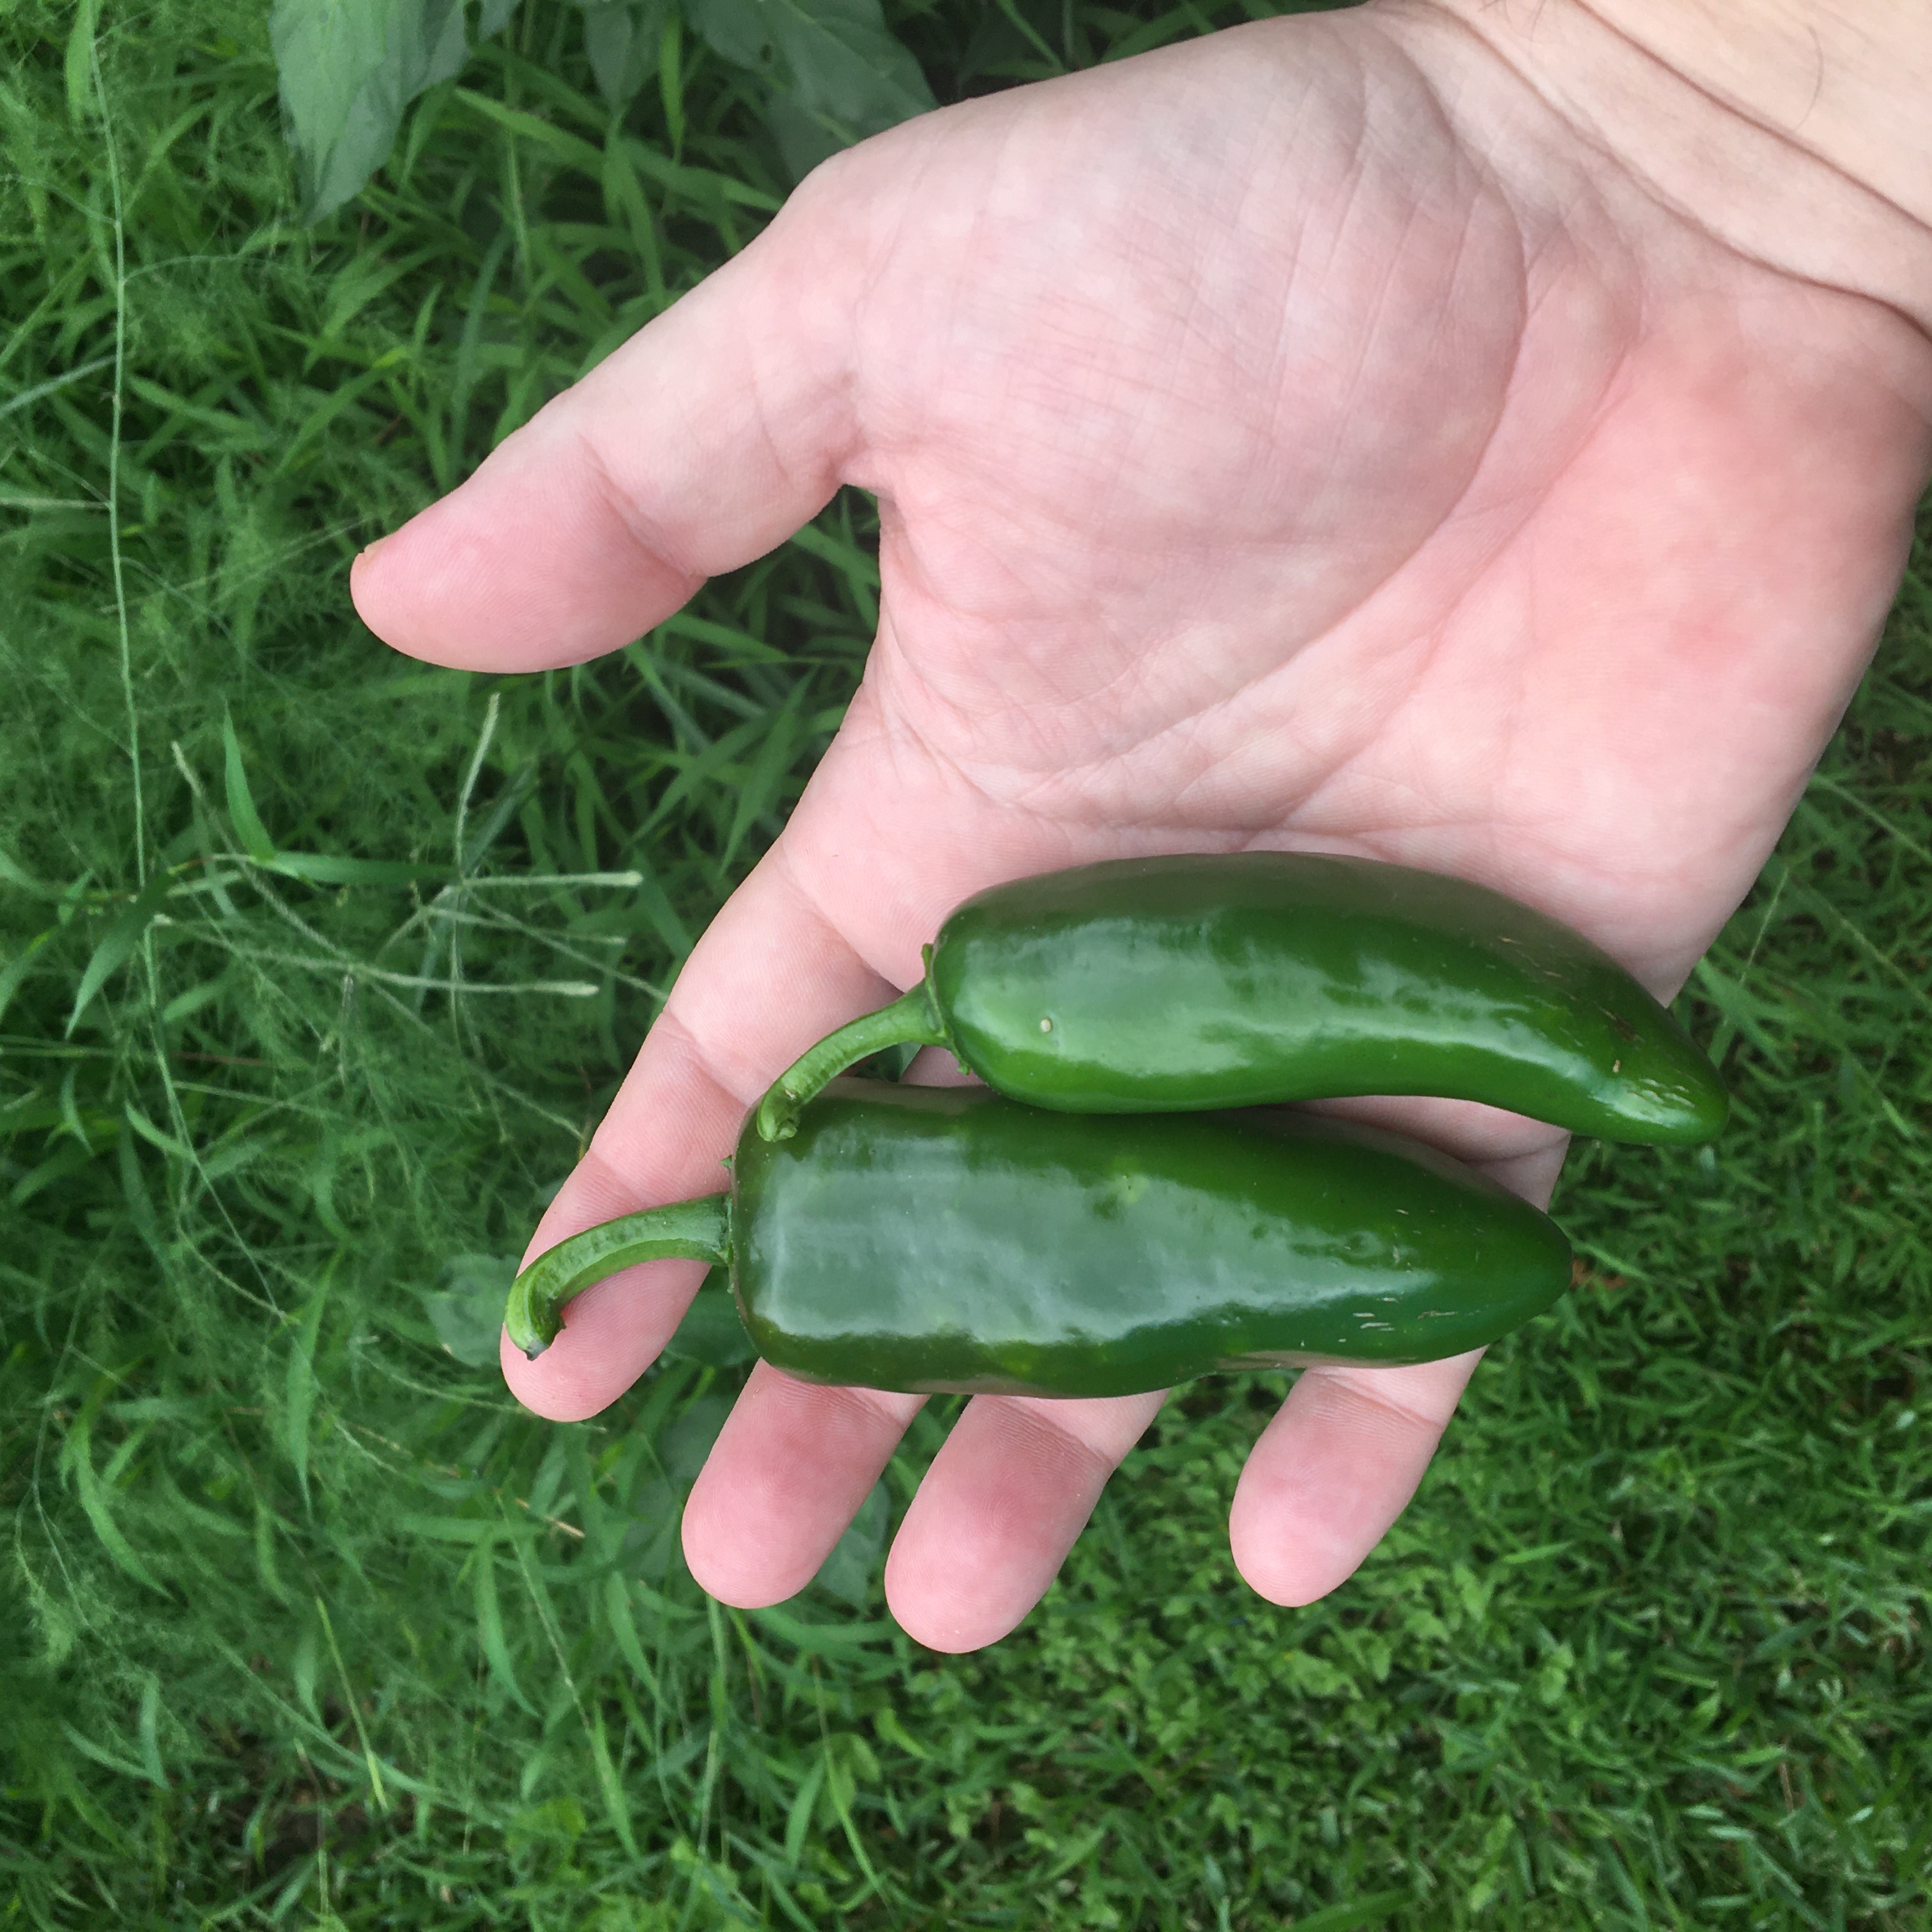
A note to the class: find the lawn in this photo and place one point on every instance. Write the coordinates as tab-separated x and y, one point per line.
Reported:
317	965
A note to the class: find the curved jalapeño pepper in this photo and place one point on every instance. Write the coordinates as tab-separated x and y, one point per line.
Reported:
1204	980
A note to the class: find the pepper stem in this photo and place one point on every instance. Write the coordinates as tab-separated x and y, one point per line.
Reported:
696	1230
912	1016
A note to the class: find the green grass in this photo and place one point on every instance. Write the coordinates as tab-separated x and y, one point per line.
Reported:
309	1623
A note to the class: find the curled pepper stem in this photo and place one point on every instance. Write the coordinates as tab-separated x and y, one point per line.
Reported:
698	1230
912	1016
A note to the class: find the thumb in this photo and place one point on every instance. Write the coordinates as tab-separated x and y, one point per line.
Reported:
705	440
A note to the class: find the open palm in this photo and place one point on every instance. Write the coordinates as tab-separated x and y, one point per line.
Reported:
1301	438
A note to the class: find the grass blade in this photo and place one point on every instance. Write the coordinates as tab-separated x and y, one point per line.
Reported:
118	945
241	813
299	1403
77	1455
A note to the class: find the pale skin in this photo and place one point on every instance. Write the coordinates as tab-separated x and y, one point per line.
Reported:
1324	434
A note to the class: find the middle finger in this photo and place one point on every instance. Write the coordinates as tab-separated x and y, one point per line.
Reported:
788	1471
1010	1488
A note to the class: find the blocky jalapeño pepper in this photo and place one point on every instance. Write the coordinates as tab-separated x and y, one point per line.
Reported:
930	1239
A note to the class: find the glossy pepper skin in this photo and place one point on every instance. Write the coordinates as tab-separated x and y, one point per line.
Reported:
1205	980
934	1239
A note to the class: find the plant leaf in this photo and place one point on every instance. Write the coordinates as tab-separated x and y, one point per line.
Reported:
117	946
799	1818
16	970
490	1626
327	868
77	1453
621	39
241	813
467	1315
80	60
834	65
12	874
348	69
710	1332
624	1628
151	1733
302	1385
613	1787
847	1572
1372	1909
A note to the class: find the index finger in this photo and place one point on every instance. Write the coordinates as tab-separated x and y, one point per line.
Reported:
702	442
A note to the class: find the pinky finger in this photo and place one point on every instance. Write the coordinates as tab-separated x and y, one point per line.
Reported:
1334	1469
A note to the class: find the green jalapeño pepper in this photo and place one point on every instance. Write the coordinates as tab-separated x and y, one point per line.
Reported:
942	1238
1203	980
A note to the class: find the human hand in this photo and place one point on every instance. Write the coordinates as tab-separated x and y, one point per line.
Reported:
1303	437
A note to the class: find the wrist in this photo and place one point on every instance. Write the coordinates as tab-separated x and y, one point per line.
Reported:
1796	131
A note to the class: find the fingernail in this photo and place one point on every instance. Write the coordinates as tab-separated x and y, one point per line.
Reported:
369	549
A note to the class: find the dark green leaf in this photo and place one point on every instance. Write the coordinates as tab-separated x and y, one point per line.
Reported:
241	813
77	1457
621	39
836	62
12	874
844	1639
1371	1909
468	1314
118	945
711	1332
302	1385
80	60
848	1573
687	1441
348	69
16	969
325	869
